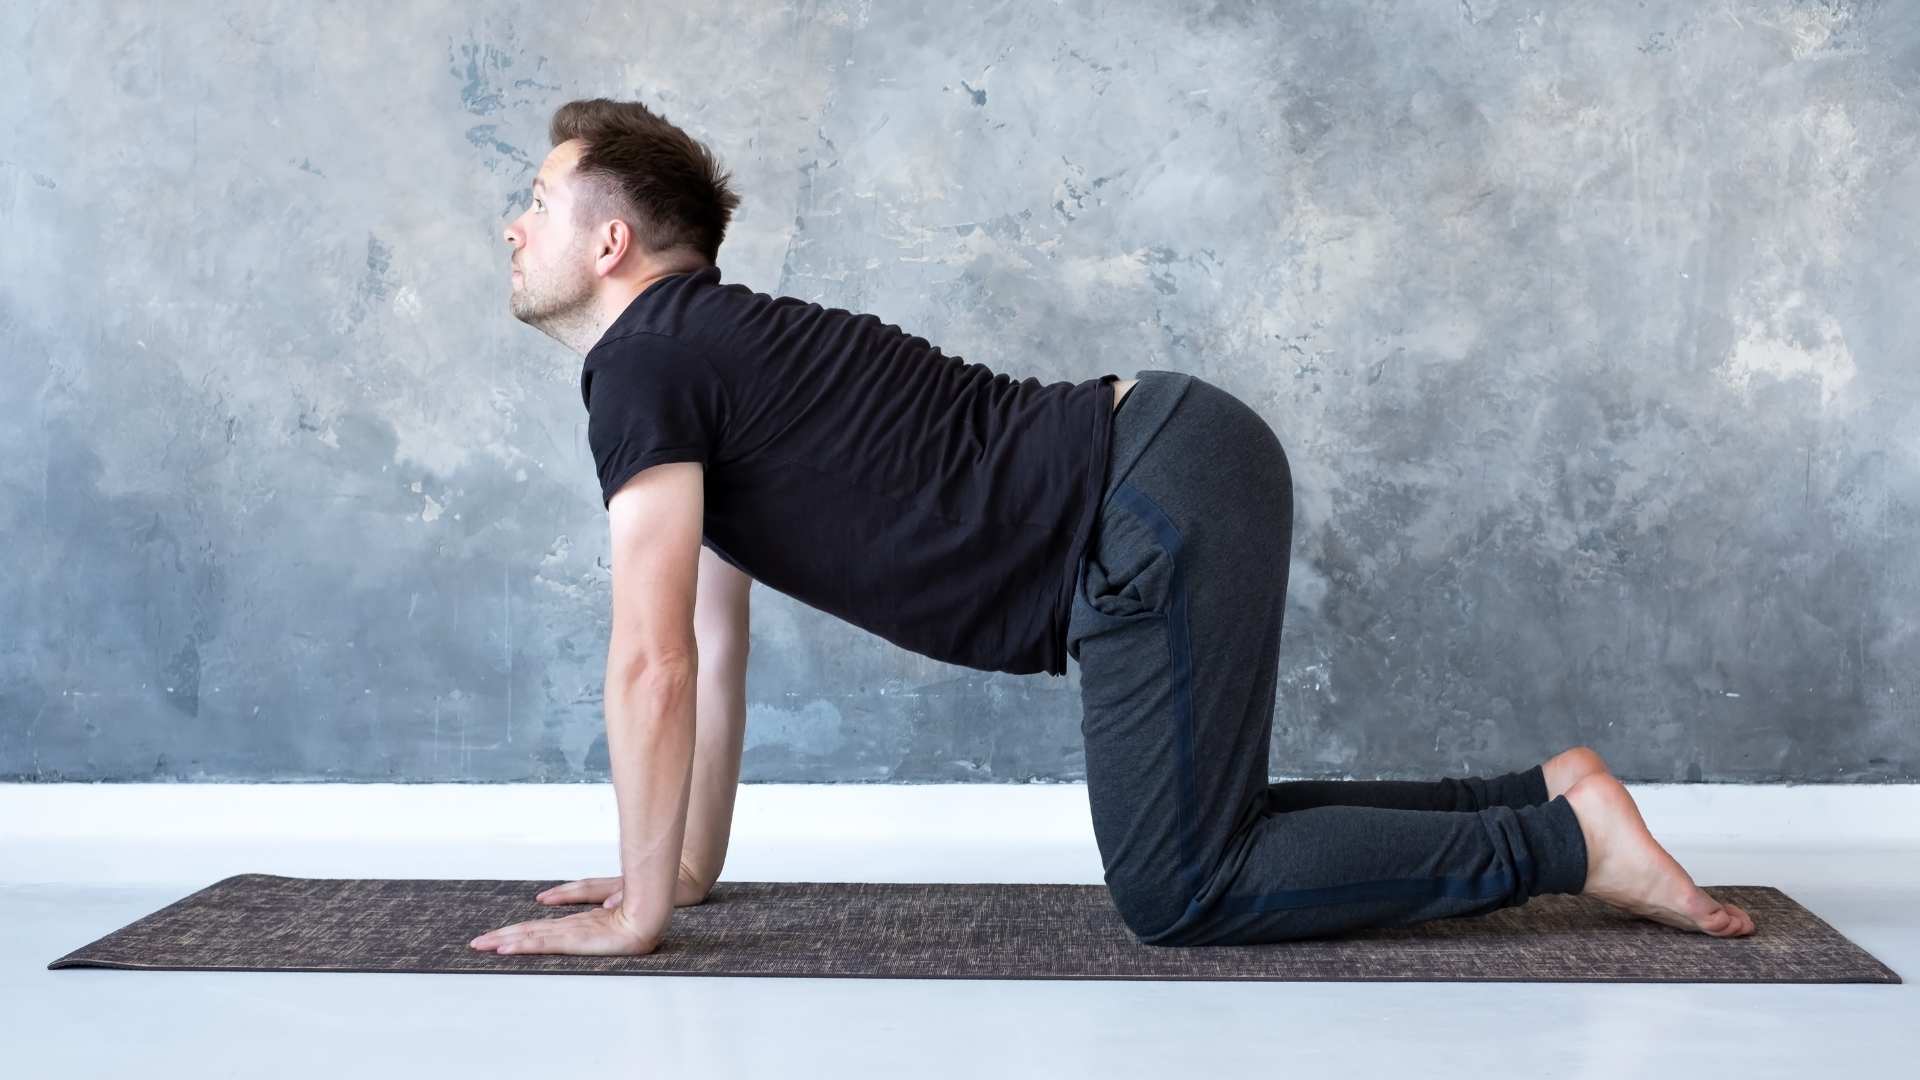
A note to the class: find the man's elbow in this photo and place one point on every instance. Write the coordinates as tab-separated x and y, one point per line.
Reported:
651	667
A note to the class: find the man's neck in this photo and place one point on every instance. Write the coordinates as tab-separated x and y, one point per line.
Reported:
583	336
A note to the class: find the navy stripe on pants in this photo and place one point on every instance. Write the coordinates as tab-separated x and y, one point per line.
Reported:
1175	627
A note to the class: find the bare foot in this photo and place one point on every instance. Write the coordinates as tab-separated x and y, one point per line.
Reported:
1566	768
1628	869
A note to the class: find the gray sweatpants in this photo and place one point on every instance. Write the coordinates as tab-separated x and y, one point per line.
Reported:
1176	628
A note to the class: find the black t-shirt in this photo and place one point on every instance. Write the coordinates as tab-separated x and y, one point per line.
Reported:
854	467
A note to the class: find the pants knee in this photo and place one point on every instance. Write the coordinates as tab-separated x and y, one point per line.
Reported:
1146	907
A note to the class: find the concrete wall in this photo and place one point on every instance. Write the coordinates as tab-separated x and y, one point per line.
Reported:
1589	329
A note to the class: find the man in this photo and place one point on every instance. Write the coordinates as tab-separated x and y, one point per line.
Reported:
1004	526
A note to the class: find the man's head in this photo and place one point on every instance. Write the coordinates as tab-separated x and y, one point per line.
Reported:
624	198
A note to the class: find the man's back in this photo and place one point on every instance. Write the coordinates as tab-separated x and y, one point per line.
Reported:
856	468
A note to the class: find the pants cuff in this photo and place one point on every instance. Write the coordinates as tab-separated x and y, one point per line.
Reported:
1556	845
1534	781
1527	787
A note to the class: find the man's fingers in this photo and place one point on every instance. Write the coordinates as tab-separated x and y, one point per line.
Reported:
513	935
584	933
537	934
584	891
506	932
564	892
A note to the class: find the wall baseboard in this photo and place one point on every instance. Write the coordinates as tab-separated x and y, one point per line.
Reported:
148	833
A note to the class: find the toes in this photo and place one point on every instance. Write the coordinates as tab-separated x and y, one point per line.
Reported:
1728	921
1720	922
1742	922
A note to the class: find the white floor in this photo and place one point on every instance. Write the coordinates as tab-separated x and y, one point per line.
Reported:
79	861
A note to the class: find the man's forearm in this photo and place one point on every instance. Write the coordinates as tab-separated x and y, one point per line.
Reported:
650	736
722	712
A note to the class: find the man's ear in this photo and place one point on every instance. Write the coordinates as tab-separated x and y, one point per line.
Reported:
613	243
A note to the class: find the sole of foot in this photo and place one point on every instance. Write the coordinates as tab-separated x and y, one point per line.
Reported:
1628	869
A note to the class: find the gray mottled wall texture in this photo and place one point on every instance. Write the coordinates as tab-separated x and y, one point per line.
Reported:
1590	331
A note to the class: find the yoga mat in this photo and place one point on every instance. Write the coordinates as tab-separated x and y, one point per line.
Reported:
267	922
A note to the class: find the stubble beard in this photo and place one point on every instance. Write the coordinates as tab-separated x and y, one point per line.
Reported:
559	304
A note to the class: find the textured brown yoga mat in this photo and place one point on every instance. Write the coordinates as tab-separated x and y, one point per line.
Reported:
266	922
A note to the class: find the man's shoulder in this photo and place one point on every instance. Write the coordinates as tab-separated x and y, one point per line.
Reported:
637	359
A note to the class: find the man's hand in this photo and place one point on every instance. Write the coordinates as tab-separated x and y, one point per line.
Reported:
606	891
597	932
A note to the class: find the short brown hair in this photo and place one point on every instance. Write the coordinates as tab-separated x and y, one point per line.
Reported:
638	167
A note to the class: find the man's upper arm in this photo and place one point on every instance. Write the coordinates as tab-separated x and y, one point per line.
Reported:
655	519
720	608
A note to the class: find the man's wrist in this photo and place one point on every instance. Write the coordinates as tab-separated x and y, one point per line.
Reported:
650	921
687	892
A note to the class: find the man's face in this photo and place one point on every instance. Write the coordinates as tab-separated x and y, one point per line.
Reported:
552	277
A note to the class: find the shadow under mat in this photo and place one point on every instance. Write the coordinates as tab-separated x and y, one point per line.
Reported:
909	930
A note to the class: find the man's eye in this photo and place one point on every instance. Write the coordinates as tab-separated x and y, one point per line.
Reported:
536	200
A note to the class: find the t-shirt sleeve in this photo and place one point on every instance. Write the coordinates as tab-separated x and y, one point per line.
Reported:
650	399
